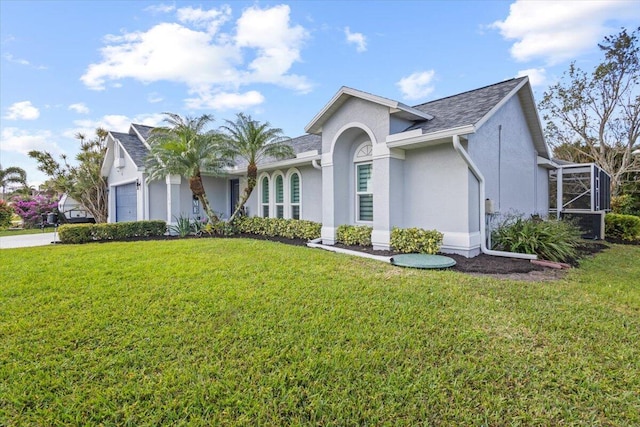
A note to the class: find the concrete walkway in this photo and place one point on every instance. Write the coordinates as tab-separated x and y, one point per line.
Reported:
25	240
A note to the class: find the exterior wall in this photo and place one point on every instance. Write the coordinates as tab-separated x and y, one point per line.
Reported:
157	191
504	152
310	185
125	175
542	190
437	196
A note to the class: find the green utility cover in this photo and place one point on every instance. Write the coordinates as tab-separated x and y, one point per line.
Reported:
423	261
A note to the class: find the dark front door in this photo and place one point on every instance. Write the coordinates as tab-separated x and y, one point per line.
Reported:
235	194
126	202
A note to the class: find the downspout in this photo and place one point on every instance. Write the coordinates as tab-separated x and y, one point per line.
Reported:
315	164
483	231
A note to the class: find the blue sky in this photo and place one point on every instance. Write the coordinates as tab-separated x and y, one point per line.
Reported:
69	67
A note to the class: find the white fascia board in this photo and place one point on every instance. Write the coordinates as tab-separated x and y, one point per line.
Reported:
315	125
108	157
403	135
434	136
306	154
278	165
501	103
144	141
549	164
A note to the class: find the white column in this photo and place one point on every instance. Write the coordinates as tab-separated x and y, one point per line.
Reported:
173	198
387	194
328	231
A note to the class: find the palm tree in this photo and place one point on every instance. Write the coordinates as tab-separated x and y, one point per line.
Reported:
252	141
185	148
12	174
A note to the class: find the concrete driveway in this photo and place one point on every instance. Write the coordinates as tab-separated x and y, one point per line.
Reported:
25	240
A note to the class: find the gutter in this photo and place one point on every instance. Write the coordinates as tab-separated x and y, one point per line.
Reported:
483	230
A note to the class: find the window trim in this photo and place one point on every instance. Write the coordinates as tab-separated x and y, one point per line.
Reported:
362	193
274	198
289	203
261	203
361	156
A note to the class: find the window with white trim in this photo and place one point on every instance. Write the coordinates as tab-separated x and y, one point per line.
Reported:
294	195
364	182
264	196
279	196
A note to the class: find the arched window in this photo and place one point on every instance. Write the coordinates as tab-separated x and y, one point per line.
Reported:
264	196
279	195
294	194
364	182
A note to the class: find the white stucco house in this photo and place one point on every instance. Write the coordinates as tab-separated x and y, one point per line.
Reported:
373	161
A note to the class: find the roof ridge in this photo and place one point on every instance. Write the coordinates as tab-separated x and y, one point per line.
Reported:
469	91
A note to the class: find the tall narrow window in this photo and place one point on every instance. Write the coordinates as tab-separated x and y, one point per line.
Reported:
264	197
279	184
364	192
294	187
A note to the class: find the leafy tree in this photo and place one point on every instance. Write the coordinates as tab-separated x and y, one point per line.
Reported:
185	148
84	181
252	141
30	209
12	174
6	212
597	114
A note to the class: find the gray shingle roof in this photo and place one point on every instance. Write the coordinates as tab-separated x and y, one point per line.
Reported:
143	130
465	108
299	144
133	146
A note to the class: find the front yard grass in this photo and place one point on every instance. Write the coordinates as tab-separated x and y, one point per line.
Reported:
18	232
245	332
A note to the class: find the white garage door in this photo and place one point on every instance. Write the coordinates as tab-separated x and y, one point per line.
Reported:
126	202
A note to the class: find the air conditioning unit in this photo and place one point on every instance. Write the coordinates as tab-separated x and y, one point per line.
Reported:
591	223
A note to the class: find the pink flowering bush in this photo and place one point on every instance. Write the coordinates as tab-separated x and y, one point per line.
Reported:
30	209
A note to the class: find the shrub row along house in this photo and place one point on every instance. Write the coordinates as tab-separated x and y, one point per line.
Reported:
369	160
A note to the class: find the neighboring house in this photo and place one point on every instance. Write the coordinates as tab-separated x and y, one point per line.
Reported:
373	161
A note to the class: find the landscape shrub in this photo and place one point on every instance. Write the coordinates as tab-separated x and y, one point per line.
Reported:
30	209
183	226
84	233
6	212
549	239
416	240
278	227
354	235
623	227
625	204
76	233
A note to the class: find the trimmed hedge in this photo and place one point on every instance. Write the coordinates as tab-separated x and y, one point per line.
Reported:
624	227
354	235
416	240
84	233
273	227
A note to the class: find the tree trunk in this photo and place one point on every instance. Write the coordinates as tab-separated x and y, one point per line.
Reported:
197	188
252	173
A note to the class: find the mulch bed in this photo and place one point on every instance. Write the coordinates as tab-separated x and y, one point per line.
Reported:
482	264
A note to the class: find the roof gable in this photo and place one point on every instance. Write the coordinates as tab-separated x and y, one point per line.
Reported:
395	108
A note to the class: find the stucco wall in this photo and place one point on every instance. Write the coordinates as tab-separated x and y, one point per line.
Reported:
542	206
504	152
310	185
436	189
158	200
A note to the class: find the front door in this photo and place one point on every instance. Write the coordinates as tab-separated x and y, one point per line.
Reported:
235	194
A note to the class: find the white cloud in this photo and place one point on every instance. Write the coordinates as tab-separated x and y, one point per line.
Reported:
209	62
79	108
111	122
537	76
9	57
211	19
417	85
560	30
227	101
356	38
160	8
22	141
22	111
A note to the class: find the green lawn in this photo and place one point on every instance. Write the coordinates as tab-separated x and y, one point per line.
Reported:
243	332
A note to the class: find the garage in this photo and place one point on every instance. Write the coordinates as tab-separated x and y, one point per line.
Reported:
126	202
